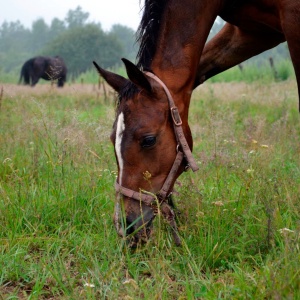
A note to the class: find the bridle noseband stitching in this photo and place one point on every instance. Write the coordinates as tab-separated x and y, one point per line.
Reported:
186	154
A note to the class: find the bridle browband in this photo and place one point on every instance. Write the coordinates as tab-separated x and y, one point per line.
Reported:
183	153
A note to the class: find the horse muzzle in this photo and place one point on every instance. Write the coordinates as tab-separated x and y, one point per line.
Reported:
134	229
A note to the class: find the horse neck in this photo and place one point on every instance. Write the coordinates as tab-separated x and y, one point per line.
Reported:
183	34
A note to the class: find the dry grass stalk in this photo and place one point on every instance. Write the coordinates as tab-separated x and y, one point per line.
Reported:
1	96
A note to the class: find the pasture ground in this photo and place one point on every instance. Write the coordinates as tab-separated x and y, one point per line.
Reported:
240	213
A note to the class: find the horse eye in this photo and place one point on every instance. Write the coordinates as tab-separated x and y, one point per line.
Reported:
148	141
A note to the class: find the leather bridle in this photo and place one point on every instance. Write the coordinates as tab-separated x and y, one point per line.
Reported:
183	153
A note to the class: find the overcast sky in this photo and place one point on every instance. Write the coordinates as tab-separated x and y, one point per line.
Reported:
107	12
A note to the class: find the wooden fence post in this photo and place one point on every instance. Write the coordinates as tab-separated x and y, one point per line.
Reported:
275	73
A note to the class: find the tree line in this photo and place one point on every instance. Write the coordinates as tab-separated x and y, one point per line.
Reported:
79	42
75	39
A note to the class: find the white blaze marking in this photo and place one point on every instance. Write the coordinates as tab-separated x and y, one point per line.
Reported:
119	136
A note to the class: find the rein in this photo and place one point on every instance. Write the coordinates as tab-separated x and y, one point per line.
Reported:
183	152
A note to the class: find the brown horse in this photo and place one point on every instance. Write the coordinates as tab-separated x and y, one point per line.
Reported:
151	134
253	26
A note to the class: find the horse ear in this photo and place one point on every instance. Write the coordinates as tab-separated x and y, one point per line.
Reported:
116	81
136	76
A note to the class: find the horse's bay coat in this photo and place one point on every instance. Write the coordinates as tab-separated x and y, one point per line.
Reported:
172	36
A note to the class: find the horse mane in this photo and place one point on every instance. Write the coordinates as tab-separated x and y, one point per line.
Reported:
147	37
148	30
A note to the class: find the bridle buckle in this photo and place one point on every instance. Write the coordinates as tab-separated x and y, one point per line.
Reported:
176	116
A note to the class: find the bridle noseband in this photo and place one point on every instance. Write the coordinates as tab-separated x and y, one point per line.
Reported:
183	153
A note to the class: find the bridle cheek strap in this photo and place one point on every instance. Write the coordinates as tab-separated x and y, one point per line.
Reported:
177	124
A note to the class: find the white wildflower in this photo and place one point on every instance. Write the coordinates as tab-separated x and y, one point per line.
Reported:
250	171
285	230
218	203
90	285
131	282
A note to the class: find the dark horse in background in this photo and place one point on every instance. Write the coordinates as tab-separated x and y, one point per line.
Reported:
48	68
151	135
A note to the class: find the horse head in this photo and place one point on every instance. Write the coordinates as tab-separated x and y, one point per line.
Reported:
150	148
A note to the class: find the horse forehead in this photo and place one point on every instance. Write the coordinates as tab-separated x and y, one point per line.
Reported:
142	122
142	108
140	113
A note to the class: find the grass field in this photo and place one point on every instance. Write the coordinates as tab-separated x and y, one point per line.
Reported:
240	213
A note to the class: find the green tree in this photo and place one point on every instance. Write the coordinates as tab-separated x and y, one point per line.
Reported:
39	35
127	38
80	46
57	27
76	18
14	45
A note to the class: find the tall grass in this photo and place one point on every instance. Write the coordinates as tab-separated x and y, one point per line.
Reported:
91	75
239	218
248	72
253	71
